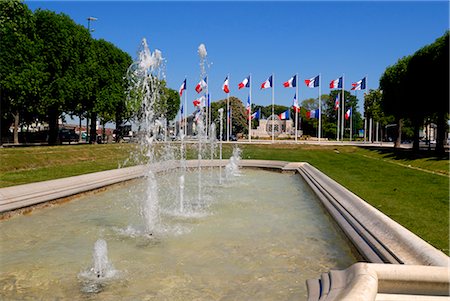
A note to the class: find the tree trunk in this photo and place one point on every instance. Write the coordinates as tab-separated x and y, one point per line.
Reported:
93	138
16	127
417	122
440	132
398	139
53	130
79	131
119	122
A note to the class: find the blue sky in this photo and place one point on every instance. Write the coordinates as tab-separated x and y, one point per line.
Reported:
355	38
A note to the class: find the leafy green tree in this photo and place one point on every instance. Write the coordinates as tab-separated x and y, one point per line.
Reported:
394	85
63	47
238	114
20	70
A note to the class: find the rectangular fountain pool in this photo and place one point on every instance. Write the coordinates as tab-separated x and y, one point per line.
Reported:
257	236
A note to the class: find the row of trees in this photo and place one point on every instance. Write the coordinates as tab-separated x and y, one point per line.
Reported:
416	90
50	66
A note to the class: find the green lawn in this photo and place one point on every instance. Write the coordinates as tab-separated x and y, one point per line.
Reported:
411	188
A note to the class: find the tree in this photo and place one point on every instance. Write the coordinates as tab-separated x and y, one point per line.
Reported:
63	47
20	69
394	85
238	114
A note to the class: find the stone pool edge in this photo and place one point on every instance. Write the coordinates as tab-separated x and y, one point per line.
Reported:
378	238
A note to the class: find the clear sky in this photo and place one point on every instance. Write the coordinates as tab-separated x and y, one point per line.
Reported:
355	38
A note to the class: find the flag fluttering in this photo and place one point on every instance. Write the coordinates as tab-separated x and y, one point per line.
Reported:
291	83
295	104
359	85
348	114
336	103
312	82
284	115
255	115
245	83
267	83
182	88
248	105
201	85
200	102
336	84
313	114
225	86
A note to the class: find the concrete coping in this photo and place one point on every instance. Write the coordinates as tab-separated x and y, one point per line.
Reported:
366	281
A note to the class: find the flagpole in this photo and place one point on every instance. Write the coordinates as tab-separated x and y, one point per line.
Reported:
296	108
343	109
250	112
207	107
185	114
338	119
273	112
228	111
351	124
320	110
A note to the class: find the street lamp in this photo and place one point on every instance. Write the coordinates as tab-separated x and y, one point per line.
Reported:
89	22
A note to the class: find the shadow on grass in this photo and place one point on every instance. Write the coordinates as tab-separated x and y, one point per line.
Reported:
408	154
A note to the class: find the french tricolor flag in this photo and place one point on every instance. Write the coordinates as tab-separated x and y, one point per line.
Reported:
312	114
291	83
312	82
359	85
225	86
248	105
200	102
182	88
245	83
336	84
284	115
348	114
255	115
201	85
336	103
295	104
267	83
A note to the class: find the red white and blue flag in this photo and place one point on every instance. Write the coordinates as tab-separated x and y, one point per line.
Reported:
225	86
336	84
359	85
313	114
182	88
255	115
295	104
201	85
284	115
245	83
312	82
248	105
198	113
200	102
267	83
291	83
336	103
348	114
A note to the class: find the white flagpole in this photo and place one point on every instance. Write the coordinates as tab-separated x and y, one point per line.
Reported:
351	124
250	113
273	103
228	111
339	119
296	108
343	110
231	120
320	111
207	107
186	109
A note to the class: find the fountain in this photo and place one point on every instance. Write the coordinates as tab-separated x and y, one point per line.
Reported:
237	248
232	168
